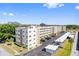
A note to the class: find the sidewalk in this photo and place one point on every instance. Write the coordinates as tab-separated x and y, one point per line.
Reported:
74	52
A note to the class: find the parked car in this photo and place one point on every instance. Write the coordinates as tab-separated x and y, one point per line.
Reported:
43	49
48	38
53	35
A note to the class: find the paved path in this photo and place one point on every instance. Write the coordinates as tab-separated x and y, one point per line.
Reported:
38	51
3	52
74	52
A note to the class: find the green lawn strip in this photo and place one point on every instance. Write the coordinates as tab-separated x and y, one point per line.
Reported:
66	50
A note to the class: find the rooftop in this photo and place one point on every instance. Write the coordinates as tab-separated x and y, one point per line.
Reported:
52	47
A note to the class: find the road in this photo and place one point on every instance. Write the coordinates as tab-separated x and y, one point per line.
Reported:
3	52
38	51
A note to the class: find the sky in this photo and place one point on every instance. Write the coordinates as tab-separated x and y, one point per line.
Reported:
36	13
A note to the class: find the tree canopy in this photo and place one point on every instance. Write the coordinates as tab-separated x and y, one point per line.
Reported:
6	31
42	24
7	28
72	26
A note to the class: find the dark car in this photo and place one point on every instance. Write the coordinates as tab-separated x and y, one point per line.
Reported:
48	38
43	49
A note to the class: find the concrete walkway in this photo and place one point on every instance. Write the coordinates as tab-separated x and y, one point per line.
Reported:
74	52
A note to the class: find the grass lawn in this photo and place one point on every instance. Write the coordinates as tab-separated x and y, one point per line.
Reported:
8	49
12	49
65	51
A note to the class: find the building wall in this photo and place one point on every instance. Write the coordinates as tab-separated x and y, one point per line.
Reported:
64	28
20	35
27	36
44	31
31	35
55	29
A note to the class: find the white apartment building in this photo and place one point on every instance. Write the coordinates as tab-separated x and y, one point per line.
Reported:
44	31
30	36
27	36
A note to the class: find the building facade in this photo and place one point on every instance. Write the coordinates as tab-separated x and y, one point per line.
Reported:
27	36
30	35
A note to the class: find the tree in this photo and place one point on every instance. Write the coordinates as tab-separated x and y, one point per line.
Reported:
42	40
7	28
42	24
72	26
4	36
70	39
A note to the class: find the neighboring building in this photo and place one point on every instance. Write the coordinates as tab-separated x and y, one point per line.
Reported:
30	35
43	32
58	28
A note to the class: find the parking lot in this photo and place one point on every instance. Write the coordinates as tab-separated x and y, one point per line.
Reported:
38	51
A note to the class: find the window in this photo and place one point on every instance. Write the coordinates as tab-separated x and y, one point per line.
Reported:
34	43
29	31
34	38
26	36
29	35
34	31
26	31
23	31
34	34
23	35
29	40
18	30
19	38
29	44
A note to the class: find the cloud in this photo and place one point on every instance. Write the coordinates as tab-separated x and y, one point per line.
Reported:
61	5
77	7
53	5
7	14
11	14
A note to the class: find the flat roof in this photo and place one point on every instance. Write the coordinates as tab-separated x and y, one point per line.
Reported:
52	47
63	37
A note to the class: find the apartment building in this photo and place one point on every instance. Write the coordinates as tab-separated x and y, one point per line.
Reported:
30	35
44	31
58	28
27	36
